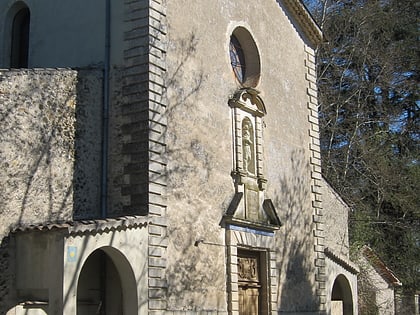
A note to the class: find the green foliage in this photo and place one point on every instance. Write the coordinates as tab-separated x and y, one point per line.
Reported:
368	80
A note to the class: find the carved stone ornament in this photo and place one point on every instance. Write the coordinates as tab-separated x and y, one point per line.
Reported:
248	110
248	100
248	146
247	268
249	207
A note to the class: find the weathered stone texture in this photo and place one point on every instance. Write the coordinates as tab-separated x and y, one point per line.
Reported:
37	146
141	154
172	151
336	221
88	144
37	156
374	277
200	150
316	176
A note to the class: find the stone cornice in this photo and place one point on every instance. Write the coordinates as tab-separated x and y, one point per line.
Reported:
305	20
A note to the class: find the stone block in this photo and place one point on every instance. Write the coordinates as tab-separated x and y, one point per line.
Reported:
158	241
157	262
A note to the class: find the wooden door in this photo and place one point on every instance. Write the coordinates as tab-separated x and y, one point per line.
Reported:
249	283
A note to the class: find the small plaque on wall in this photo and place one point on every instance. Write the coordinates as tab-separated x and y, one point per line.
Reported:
71	253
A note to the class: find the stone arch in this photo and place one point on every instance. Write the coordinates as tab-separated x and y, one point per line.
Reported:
17	29
106	281
341	297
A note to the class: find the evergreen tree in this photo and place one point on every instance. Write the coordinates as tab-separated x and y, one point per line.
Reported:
368	81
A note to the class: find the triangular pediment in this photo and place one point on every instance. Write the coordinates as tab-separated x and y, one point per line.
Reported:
266	219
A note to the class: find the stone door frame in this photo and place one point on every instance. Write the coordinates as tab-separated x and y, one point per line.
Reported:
260	243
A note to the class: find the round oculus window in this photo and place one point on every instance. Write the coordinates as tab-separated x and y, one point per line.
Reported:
244	57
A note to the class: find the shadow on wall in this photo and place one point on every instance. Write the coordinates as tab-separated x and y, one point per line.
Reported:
181	101
37	141
51	148
296	288
106	279
40	181
88	145
51	160
191	284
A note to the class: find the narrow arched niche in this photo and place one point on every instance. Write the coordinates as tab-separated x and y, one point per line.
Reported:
20	17
248	146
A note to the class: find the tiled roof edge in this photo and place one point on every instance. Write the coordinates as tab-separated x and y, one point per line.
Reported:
344	262
87	226
380	267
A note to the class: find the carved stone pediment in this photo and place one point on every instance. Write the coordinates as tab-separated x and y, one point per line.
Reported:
247	99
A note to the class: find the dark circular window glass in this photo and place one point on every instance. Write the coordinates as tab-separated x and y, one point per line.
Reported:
244	57
237	58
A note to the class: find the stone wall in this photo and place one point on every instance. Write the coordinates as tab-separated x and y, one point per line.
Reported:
37	146
36	156
316	179
336	221
139	163
170	148
382	291
50	152
88	144
201	157
38	123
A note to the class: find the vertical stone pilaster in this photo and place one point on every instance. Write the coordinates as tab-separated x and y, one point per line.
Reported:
239	164
144	189
273	282
232	287
259	146
316	176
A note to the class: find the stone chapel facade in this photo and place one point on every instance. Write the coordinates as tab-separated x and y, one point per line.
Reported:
163	157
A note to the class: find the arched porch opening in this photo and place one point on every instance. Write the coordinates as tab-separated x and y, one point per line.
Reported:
341	297
106	284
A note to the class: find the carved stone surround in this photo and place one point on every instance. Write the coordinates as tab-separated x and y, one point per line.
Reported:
249	207
251	219
262	244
